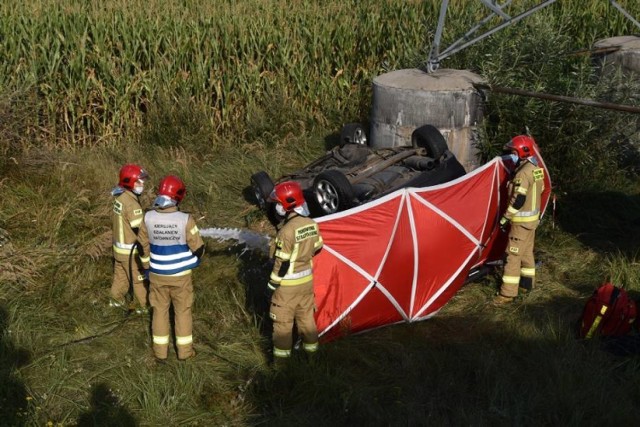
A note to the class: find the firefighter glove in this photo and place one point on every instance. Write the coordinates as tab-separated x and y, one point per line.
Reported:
504	223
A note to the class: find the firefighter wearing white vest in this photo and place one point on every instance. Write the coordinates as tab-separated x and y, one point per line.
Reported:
523	215
173	242
127	218
291	280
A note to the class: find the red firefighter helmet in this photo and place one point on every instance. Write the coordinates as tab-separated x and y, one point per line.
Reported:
522	145
129	174
288	194
172	187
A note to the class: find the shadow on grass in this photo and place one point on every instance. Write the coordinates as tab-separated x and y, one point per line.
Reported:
13	394
514	365
106	410
254	276
604	221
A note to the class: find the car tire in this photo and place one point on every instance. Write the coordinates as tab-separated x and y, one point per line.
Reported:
262	185
353	133
332	192
430	138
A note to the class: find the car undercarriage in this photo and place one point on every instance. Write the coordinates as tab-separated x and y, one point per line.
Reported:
353	173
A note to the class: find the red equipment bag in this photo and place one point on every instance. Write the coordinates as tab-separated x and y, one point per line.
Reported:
608	312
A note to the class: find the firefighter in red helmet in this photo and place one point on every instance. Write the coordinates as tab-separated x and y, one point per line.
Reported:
174	246
523	216
127	218
291	280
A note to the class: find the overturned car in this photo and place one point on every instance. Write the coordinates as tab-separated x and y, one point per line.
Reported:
352	173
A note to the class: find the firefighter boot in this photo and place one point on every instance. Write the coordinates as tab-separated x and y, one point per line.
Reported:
500	300
189	357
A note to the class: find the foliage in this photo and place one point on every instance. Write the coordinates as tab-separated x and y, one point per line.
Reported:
97	68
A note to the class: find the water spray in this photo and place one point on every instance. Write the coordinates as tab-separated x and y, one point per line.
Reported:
252	240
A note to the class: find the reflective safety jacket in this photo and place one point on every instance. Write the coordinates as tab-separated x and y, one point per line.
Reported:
295	245
525	193
126	216
172	239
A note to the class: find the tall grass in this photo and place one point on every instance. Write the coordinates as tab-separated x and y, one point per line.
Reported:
95	68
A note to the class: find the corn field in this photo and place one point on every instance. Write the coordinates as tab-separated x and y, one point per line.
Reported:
94	68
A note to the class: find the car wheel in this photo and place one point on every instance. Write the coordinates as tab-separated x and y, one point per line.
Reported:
353	133
430	138
332	191
262	185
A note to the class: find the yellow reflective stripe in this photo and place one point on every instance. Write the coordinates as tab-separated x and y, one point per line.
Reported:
161	340
120	229
528	213
186	340
127	246
145	259
522	190
529	272
311	348
603	310
124	251
283	255
299	274
318	244
295	282
511	280
278	352
534	198
294	257
531	218
595	324
275	278
136	222
512	210
194	230
277	243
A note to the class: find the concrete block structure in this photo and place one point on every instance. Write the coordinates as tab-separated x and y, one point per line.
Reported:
447	99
